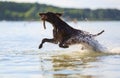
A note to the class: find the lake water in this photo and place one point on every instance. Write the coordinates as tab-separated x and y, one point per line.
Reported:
21	58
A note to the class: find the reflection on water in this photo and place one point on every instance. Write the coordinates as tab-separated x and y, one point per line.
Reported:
72	65
87	65
51	64
21	58
73	76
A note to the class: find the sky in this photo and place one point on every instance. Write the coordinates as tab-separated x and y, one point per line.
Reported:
92	4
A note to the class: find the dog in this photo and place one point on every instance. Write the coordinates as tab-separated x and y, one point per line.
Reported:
63	34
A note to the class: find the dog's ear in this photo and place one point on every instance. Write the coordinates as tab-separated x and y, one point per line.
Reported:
59	14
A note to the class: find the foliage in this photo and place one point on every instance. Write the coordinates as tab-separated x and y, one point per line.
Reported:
30	11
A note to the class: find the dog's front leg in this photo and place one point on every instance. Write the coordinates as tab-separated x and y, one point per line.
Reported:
55	35
46	40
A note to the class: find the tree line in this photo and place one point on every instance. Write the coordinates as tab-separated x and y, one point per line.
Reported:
29	11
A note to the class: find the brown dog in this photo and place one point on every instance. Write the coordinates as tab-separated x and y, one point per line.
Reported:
64	34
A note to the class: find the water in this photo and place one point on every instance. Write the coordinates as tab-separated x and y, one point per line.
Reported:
21	58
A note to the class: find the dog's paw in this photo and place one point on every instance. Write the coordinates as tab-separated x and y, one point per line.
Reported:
40	47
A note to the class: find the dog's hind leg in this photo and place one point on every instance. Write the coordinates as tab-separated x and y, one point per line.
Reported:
63	43
47	40
63	46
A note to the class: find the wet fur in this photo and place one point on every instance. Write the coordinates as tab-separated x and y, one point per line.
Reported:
63	34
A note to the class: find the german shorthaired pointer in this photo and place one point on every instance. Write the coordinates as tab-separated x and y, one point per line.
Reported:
64	34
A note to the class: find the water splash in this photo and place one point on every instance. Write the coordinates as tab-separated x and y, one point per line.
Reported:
115	50
94	45
87	42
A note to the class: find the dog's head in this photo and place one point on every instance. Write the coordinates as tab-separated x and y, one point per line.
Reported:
49	16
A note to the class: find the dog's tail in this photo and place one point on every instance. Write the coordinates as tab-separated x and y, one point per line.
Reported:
98	33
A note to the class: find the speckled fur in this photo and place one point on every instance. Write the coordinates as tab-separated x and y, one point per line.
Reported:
65	35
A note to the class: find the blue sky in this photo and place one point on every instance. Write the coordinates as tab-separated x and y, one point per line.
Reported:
93	4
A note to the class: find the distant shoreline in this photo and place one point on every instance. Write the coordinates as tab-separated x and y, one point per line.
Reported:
29	11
